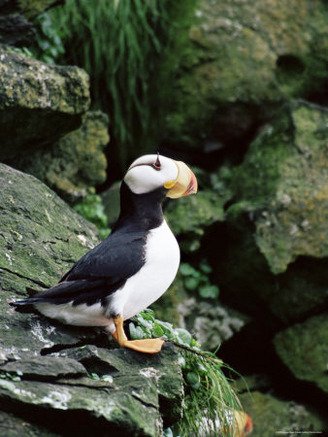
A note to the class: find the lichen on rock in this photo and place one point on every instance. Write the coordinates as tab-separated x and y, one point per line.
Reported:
238	60
69	380
272	416
284	177
39	103
76	163
303	348
41	237
278	220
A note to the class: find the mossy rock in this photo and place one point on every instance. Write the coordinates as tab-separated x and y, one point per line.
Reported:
275	241
190	217
49	376
271	416
283	180
237	61
39	102
76	163
303	348
29	8
41	236
16	28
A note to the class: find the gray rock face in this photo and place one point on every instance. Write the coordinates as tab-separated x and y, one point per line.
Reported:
39	103
40	235
16	30
68	380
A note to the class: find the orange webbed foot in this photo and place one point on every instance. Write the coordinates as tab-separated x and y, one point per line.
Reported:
147	346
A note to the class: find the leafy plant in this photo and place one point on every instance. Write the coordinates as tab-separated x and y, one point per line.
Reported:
50	46
197	279
23	50
12	376
92	209
210	401
96	377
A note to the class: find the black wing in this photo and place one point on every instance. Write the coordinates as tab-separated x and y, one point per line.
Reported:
119	256
98	273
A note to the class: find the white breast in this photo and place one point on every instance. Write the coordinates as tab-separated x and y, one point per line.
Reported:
154	278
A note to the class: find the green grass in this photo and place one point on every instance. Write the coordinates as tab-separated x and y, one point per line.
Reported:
118	43
210	400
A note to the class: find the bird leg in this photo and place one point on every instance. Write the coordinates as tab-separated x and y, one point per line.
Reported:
148	346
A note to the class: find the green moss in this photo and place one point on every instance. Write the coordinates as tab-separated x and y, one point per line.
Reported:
39	231
75	164
306	359
227	60
282	182
192	216
271	415
31	8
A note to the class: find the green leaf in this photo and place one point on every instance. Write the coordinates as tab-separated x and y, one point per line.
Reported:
183	336
157	330
187	270
144	323
191	283
209	291
193	379
167	328
136	332
205	268
148	314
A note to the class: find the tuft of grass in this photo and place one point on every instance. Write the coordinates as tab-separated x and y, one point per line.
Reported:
210	401
118	43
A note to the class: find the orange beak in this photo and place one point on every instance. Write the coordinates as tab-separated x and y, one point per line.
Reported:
184	185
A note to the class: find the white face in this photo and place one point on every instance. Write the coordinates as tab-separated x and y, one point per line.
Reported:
144	176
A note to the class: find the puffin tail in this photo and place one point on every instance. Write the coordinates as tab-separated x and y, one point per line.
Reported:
23	305
26	305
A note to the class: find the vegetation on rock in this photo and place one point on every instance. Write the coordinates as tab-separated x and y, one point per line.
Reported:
211	83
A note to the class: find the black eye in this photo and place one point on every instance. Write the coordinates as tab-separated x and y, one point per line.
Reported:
157	164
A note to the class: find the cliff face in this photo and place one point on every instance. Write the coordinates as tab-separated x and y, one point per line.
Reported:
65	379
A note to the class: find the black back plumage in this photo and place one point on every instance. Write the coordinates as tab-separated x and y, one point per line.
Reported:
121	255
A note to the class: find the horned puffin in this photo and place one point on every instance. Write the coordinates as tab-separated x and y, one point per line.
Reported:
134	265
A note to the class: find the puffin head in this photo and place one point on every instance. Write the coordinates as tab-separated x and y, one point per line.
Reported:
150	172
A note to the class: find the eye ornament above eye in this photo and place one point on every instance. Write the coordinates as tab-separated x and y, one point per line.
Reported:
157	164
